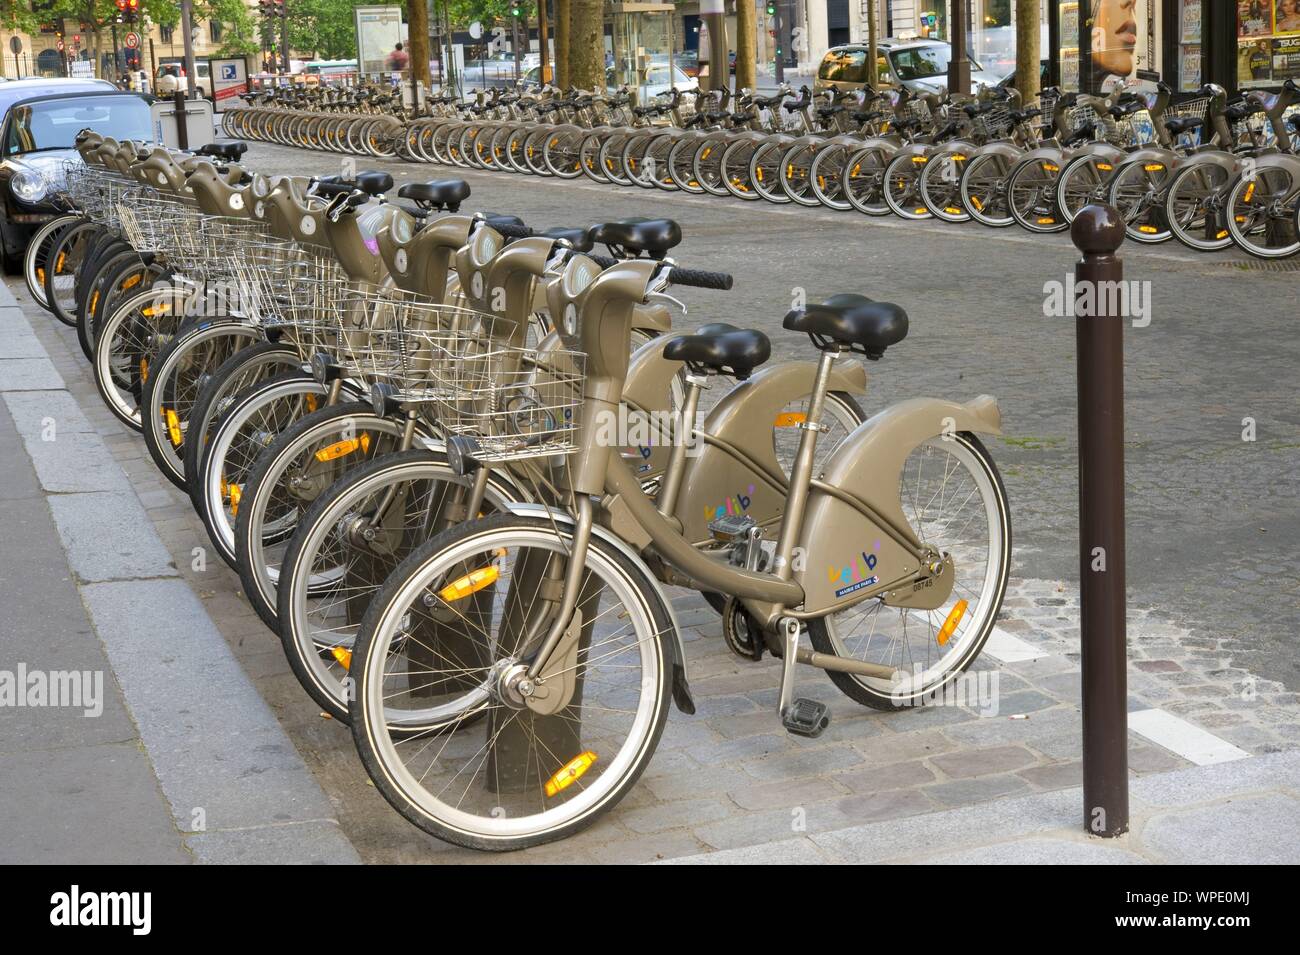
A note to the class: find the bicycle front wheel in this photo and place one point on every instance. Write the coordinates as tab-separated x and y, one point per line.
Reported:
503	761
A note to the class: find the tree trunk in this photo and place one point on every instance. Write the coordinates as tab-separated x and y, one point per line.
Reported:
1028	54
417	20
746	45
586	45
873	54
562	17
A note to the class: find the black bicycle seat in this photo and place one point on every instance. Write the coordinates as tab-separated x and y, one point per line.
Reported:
374	183
1178	125
851	320
495	219
439	193
729	350
229	151
651	236
332	186
580	239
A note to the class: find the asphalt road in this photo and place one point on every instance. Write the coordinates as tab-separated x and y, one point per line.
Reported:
1213	520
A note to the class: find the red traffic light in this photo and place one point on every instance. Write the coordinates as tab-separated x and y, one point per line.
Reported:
133	4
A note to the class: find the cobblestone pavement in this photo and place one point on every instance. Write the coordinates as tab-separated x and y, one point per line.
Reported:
1214	552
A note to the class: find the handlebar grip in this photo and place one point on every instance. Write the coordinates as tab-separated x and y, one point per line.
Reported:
604	261
700	279
512	231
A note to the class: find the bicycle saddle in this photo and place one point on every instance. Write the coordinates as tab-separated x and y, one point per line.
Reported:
229	151
374	183
652	236
722	349
496	219
439	193
851	320
580	239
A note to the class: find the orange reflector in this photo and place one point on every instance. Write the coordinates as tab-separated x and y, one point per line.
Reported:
856	169
705	154
310	401
1051	167
1154	166
1250	192
58	263
950	625
343	655
1221	234
920	160
471	583
144	371
952	210
921	212
1105	166
173	426
1148	229
974	200
788	419
1046	221
570	772
40	276
759	171
132	282
958	157
340	449
94	298
236	492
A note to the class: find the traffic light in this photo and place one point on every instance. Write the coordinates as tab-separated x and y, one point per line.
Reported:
132	10
771	8
516	8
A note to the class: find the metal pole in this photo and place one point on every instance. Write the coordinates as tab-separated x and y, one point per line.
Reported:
114	28
1098	232
545	53
187	27
959	63
778	44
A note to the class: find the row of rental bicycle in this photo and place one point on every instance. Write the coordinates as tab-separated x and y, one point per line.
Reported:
1203	169
456	460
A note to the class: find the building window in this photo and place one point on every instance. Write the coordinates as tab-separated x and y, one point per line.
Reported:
214	30
1268	42
165	33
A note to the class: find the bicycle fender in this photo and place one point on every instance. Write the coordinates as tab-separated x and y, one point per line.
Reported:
999	148
681	688
846	553
1225	161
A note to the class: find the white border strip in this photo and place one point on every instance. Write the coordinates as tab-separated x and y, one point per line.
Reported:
1183	738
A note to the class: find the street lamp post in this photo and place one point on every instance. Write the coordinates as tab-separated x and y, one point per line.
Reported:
959	62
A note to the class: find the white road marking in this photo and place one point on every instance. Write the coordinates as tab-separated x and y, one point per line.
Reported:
1183	738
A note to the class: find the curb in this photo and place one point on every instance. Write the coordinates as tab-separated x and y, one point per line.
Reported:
237	788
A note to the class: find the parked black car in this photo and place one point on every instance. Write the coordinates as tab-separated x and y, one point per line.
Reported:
37	139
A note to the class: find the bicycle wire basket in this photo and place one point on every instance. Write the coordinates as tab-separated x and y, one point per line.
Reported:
471	374
1197	107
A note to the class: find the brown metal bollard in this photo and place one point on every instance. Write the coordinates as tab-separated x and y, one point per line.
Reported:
1098	232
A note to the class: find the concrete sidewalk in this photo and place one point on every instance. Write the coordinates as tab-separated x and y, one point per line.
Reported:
1240	812
185	762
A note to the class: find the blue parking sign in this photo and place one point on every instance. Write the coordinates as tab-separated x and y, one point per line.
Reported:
228	71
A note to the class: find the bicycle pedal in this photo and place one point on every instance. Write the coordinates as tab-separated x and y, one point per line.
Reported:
805	717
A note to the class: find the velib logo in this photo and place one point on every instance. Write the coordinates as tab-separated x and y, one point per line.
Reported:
734	505
74	908
854	575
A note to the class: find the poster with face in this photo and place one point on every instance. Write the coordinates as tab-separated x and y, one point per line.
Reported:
1120	36
1254	61
1286	16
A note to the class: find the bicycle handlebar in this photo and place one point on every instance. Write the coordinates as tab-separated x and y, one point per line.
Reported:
698	278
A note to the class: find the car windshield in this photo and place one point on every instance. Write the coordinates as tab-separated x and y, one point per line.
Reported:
922	62
54	124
